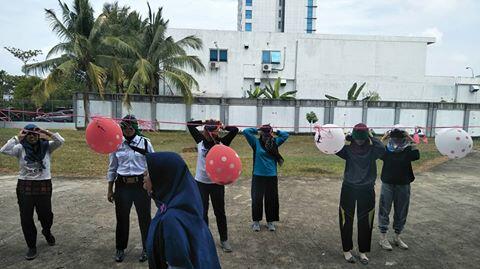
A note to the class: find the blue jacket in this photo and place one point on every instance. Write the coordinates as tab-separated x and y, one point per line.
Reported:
263	163
178	235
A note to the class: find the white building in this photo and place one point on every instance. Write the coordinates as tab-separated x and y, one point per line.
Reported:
319	64
289	16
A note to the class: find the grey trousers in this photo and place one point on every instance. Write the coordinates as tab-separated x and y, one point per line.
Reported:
399	195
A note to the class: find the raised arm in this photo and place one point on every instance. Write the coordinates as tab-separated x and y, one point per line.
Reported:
12	147
192	128
282	136
378	147
232	132
413	154
57	141
250	135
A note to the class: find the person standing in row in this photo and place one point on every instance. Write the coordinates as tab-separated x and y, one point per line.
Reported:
208	189
178	237
359	188
397	174
34	186
264	179
126	168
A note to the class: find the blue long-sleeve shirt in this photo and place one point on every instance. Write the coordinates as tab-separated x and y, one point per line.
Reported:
264	164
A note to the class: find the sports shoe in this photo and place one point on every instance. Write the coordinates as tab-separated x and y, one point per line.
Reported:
399	243
256	226
31	254
271	226
226	246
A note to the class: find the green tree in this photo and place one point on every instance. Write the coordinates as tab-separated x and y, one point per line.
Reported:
24	55
255	93
7	83
24	87
273	92
80	49
311	118
157	57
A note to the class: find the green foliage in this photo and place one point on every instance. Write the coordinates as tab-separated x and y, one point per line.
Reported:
255	93
24	87
372	96
273	92
311	117
352	94
23	55
7	83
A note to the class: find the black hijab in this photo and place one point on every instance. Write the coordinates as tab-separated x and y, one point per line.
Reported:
267	141
35	153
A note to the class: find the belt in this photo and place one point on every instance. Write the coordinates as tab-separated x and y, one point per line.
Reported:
130	179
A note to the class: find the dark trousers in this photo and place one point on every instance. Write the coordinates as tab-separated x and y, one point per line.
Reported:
265	188
42	204
125	195
399	195
216	193
364	198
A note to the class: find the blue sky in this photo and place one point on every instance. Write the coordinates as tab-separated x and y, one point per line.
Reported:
455	24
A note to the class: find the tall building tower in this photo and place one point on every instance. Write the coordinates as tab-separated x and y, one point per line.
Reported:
289	16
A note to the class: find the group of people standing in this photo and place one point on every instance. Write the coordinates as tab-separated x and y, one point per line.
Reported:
178	236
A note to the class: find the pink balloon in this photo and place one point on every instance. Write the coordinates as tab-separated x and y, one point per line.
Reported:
223	165
103	135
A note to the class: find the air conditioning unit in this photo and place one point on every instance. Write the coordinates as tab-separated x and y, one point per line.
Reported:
214	65
267	68
283	82
257	81
474	88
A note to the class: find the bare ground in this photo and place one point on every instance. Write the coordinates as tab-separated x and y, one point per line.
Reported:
442	230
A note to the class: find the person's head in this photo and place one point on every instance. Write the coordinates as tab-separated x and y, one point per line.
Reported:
165	169
266	132
360	134
32	135
211	129
398	136
129	126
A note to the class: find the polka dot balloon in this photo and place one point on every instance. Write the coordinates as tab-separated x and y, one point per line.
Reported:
329	139
454	143
223	165
103	135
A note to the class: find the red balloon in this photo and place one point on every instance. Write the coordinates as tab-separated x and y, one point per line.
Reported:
103	135
223	165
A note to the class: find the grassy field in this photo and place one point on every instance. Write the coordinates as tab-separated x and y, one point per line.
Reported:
302	158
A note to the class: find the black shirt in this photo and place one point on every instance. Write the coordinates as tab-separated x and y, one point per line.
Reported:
397	166
199	137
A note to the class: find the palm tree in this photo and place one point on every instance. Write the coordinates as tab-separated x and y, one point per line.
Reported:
80	51
158	58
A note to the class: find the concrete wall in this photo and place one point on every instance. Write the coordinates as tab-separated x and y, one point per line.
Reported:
170	113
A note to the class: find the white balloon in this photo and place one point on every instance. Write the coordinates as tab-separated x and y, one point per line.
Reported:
454	143
330	139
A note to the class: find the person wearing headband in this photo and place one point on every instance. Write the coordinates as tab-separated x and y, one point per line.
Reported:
397	174
209	190
178	237
34	187
358	188
266	157
126	168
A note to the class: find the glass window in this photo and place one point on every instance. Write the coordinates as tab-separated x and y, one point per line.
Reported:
279	13
248	3
271	57
248	14
213	55
275	57
248	27
223	55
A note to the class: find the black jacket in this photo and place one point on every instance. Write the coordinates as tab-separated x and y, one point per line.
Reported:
397	166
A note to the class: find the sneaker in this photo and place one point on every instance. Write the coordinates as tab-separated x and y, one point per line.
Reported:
120	255
271	226
143	256
226	246
349	257
399	243
50	239
385	244
256	226
31	254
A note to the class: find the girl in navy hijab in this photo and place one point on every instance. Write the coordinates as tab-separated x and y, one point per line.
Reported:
178	236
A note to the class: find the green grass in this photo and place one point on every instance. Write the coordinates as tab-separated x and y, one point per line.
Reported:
302	158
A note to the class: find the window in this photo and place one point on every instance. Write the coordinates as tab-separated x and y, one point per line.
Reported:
248	3
279	13
248	27
271	57
248	14
218	55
